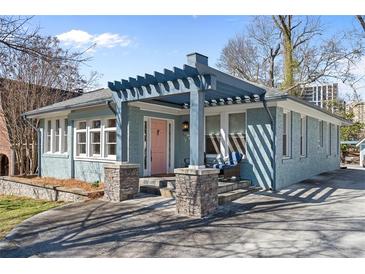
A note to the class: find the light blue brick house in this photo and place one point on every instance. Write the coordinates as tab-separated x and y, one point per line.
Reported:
186	116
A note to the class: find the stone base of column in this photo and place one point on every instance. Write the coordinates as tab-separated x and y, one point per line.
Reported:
121	181
196	191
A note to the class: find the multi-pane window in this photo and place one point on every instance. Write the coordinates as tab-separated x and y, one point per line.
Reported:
236	132
49	136
65	133
110	138
320	127
57	136
286	134
329	143
95	138
303	136
212	134
81	139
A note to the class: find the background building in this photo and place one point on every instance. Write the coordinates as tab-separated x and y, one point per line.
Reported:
359	112
322	95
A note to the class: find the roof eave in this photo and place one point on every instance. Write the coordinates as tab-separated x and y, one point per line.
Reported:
35	114
344	121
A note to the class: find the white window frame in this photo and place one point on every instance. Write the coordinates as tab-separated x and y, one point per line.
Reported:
288	144
88	131
224	131
53	135
228	130
76	143
65	136
107	129
303	135
321	133
48	137
57	137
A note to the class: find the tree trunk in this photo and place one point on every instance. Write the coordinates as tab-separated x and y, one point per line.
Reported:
288	61
271	71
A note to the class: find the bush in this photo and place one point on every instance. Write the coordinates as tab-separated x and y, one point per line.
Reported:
95	184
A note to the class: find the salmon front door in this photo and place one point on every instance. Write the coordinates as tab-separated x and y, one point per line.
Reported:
158	146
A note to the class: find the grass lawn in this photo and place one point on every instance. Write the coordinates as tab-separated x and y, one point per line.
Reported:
14	210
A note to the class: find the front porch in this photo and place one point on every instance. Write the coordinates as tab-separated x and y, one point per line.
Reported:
190	90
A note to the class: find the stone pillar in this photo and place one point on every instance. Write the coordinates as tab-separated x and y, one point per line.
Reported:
196	191
121	181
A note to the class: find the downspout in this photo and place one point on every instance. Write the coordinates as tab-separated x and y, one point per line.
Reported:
110	107
272	122
38	144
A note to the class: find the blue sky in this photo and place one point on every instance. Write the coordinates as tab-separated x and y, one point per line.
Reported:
133	45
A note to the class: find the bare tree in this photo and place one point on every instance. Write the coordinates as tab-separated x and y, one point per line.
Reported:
252	55
291	50
15	34
295	31
37	75
267	37
361	19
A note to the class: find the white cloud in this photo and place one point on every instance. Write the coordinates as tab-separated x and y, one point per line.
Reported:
110	40
74	36
80	38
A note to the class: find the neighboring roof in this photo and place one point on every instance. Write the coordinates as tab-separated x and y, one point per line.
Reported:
360	142
90	98
348	142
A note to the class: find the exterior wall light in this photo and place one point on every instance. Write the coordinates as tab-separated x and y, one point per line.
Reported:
185	126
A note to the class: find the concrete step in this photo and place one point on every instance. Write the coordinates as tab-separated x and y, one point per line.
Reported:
230	196
227	191
150	189
157	181
230	186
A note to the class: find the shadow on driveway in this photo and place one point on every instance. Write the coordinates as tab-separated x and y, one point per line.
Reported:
320	217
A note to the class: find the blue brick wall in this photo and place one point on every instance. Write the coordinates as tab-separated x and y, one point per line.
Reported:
258	165
317	160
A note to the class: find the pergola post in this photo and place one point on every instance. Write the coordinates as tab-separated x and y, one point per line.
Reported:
196	129
123	124
122	178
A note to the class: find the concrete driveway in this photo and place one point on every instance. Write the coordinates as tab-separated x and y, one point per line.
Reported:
321	217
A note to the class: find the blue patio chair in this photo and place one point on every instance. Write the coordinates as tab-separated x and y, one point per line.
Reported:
229	167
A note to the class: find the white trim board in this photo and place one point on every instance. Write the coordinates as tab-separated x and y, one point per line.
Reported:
308	111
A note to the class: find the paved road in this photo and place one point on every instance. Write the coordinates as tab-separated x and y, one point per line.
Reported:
321	217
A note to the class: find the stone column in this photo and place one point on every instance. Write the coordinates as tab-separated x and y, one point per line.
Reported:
121	181
196	191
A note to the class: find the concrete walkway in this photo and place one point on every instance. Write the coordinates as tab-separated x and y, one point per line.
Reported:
321	217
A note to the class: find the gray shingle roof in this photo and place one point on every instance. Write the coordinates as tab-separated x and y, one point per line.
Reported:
88	98
100	96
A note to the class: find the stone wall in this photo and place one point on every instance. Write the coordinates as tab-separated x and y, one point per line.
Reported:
196	191
12	187
121	181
